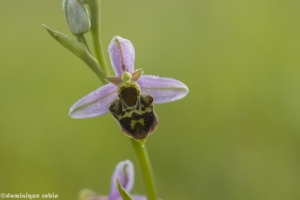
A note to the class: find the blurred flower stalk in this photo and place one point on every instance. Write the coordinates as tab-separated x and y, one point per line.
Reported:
129	96
124	173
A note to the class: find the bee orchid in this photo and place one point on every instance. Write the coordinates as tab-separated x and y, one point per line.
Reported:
129	96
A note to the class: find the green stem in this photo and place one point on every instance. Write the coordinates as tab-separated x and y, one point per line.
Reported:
82	39
95	11
141	152
146	170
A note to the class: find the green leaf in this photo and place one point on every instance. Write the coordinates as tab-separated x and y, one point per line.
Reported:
79	49
124	194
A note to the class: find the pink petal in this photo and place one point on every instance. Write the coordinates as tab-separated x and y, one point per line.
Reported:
162	89
122	55
125	173
94	104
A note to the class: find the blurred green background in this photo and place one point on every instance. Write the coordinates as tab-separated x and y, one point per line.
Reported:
235	136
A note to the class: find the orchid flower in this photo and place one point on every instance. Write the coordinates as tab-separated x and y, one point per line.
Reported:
124	172
129	96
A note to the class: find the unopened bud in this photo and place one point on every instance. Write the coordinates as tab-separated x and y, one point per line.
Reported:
77	16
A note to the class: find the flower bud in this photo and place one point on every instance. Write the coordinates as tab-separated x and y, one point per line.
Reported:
77	16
